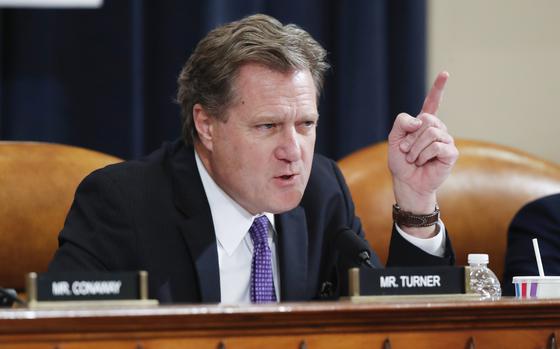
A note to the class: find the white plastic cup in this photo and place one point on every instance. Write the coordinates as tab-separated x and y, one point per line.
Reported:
537	286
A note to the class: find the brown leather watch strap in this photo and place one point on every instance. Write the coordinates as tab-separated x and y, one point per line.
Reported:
409	219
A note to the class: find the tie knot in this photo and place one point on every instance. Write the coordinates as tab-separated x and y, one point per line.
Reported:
259	230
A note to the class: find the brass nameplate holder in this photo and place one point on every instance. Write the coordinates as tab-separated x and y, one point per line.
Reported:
446	282
72	289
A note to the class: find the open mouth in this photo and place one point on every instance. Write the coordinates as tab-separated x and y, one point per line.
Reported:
287	178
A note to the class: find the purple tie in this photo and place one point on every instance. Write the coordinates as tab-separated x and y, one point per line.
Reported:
262	283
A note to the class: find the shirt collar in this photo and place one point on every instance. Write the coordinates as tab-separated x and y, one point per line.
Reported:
231	221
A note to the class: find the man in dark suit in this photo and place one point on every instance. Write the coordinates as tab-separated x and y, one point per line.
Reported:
538	219
241	209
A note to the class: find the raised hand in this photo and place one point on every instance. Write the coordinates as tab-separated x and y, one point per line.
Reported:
421	153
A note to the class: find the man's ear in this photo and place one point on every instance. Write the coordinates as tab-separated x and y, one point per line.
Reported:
203	123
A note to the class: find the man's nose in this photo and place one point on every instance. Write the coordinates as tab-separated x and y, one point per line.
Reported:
289	148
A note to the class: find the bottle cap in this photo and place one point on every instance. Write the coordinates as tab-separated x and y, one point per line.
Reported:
478	258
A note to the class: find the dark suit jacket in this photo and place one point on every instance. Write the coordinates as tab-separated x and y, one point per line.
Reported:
153	215
538	219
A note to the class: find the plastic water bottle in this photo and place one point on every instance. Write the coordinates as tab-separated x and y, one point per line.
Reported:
482	280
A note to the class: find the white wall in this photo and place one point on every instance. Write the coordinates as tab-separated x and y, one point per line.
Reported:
504	61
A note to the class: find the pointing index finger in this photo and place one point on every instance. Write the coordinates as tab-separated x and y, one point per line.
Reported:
434	97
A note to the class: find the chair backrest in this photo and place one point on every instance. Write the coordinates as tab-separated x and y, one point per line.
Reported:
37	185
487	186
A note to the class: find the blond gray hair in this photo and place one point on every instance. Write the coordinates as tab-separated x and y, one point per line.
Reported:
208	75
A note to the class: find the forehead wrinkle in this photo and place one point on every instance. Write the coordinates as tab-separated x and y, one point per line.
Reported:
296	77
274	93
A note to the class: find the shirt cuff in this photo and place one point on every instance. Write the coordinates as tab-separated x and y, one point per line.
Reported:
434	245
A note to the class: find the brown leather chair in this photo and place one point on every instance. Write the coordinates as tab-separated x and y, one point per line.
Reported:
487	186
37	185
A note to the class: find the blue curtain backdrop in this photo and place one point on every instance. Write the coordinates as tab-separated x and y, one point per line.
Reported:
105	79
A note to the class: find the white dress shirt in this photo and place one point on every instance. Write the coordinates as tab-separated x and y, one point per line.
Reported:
235	247
434	245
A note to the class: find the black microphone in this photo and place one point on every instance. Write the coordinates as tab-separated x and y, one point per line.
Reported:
8	296
353	247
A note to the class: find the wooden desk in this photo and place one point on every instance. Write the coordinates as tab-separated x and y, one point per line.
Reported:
433	323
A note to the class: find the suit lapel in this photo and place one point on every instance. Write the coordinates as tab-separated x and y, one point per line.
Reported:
196	222
293	243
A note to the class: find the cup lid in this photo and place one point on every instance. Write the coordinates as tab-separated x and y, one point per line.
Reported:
536	278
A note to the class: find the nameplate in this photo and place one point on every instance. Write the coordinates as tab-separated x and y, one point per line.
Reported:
87	286
406	281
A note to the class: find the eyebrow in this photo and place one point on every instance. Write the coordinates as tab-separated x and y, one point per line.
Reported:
277	117
310	117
